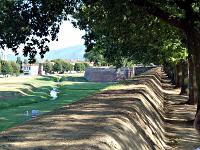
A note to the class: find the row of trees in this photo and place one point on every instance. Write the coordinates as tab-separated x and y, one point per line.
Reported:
144	31
139	31
62	66
9	68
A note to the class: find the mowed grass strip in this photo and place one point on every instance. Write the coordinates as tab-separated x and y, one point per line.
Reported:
34	94
33	90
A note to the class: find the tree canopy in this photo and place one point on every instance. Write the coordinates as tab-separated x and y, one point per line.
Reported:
123	30
143	31
32	23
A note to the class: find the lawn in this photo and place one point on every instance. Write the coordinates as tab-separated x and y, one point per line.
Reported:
18	95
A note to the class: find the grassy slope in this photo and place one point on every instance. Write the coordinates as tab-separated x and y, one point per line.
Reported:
33	93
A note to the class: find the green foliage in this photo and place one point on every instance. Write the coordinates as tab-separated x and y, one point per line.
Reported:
79	67
62	66
32	23
16	68
25	61
19	61
57	67
123	37
75	79
122	34
95	55
48	67
119	27
0	66
6	68
38	98
67	66
86	65
174	51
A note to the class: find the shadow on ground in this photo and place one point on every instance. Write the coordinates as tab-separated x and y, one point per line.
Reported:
143	117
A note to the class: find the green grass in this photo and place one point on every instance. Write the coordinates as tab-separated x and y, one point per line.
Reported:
35	90
33	93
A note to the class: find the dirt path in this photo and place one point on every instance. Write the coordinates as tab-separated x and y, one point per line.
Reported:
179	122
142	116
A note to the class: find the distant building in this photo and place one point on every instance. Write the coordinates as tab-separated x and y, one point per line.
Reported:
2	55
79	61
33	69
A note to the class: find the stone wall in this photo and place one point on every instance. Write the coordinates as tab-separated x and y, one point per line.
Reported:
112	75
141	69
100	74
107	74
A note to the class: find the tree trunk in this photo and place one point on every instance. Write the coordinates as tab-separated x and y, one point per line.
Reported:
167	70
192	98
193	38
173	74
197	75
184	76
178	76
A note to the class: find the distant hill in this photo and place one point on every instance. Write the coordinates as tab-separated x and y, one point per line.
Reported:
74	53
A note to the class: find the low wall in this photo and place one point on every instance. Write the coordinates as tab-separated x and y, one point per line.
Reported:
100	74
141	69
112	75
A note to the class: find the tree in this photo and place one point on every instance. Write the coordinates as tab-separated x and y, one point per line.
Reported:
32	23
183	15
16	68
0	66
86	65
19	61
57	67
43	18
6	68
95	56
48	67
79	67
25	61
67	66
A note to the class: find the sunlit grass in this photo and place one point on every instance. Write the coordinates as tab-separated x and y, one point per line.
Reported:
33	93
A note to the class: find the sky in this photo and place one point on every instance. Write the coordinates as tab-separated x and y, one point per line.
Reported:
67	37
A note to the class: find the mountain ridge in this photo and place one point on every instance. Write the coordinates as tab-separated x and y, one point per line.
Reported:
72	53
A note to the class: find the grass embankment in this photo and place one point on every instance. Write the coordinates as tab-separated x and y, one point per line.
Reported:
18	95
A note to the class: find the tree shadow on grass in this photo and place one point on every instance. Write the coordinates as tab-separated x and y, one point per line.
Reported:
119	119
48	78
14	109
